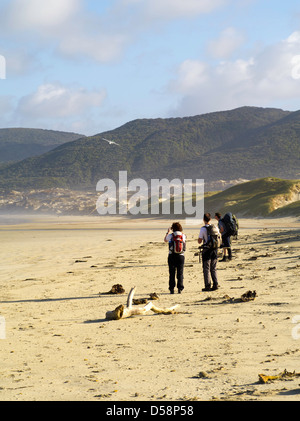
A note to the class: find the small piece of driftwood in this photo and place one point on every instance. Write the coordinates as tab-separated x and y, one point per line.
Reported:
247	296
137	301
284	375
122	312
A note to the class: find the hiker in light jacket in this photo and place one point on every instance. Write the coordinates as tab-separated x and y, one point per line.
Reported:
175	257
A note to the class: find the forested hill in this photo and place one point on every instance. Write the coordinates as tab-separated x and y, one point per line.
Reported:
247	142
18	143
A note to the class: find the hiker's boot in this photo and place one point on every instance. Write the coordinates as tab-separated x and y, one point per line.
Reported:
225	259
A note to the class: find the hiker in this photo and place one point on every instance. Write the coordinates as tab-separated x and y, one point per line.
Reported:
176	240
208	237
226	234
236	221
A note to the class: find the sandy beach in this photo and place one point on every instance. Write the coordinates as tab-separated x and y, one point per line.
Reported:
56	271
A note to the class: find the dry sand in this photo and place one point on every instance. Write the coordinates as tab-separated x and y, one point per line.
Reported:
58	345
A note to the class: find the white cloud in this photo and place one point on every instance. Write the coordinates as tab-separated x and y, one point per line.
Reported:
6	105
68	27
230	39
32	14
294	38
271	75
75	31
100	47
55	101
172	9
56	107
20	62
191	73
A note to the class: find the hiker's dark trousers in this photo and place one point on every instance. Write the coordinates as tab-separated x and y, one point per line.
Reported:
227	243
209	262
176	265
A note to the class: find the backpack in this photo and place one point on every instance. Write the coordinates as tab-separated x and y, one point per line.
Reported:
177	245
230	224
213	238
236	221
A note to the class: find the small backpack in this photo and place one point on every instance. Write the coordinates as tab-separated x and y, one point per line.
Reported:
177	245
213	237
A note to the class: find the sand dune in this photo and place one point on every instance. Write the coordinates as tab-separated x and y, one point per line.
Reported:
59	346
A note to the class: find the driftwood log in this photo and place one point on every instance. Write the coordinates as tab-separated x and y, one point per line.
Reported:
122	312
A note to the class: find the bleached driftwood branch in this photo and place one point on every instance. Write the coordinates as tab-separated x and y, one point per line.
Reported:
122	312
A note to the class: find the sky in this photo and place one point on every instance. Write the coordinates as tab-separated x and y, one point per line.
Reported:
89	66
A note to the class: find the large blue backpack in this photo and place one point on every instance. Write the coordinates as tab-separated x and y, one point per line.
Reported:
230	224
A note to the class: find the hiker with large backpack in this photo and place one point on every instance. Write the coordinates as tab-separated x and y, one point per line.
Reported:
228	228
177	246
236	222
209	238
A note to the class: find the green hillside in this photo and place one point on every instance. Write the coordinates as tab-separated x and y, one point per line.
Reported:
246	143
293	209
18	143
261	197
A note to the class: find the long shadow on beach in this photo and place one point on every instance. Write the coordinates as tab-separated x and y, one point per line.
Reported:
281	236
45	300
96	321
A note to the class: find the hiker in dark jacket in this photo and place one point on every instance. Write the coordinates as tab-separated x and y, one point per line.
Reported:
226	240
175	257
209	257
